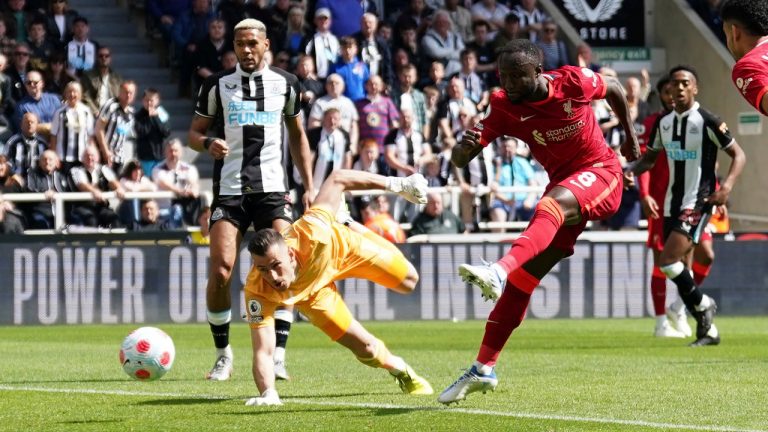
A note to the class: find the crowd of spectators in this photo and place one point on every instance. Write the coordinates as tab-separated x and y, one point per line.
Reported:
67	124
388	91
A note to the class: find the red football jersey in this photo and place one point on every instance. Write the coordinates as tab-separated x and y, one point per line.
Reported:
654	181
561	130
750	74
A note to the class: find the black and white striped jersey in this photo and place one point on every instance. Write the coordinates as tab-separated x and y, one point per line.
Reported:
23	152
73	129
248	110
691	141
118	127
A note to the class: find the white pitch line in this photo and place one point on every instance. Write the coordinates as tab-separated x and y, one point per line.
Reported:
398	407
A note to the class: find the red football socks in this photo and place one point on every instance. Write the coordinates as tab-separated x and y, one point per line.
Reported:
700	272
658	291
546	220
506	315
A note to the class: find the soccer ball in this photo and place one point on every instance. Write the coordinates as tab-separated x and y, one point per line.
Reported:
147	354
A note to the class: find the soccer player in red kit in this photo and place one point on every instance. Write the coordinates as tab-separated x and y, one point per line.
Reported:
550	111
745	23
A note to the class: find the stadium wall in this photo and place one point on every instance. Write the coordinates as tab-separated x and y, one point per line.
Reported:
93	283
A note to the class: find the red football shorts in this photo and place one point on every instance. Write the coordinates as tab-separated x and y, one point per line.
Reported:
598	191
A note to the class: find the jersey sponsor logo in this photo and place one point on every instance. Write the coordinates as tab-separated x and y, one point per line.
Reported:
568	108
217	214
539	138
563	133
675	152
254	311
244	113
524	118
581	10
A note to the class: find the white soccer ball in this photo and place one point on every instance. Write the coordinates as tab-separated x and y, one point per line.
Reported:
147	354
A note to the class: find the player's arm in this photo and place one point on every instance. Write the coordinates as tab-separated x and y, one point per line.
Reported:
199	141
413	188
738	160
646	162
467	149
617	99
263	342
298	145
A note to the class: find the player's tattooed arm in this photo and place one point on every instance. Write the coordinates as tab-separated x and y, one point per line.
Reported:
467	149
617	99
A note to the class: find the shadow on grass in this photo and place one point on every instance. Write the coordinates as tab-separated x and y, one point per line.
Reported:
334	409
181	401
330	396
90	421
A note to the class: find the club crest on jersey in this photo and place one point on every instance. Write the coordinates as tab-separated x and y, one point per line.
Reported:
539	138
217	214
742	84
254	311
567	107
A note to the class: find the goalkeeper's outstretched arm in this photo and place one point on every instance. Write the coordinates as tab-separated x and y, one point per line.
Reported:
413	188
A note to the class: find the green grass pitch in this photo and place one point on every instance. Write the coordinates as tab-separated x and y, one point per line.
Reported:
554	375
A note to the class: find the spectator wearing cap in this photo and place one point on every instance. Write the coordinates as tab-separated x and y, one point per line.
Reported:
100	83
346	16
442	44
60	21
374	51
323	46
461	19
81	51
354	72
42	104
